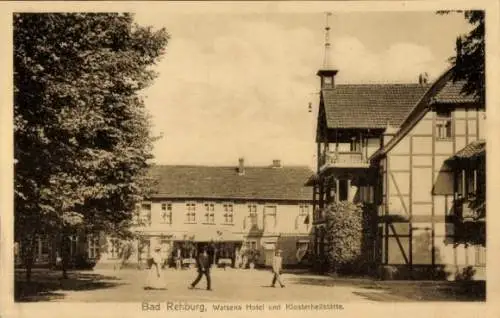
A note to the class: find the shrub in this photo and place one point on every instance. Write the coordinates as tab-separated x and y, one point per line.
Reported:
126	251
344	234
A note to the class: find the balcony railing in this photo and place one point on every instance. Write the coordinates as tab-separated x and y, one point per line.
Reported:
345	159
468	213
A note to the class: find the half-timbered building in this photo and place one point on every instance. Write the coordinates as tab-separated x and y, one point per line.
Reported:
417	153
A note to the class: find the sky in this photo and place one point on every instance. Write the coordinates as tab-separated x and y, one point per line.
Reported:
238	84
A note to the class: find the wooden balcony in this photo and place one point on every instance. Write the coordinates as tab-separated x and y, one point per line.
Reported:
348	159
469	214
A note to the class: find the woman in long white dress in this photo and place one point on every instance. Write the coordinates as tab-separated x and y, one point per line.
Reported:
155	278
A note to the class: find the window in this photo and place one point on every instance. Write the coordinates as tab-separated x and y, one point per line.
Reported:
209	213
471	182
228	213
144	249
42	250
480	255
166	213
114	248
145	216
303	209
191	213
44	245
252	209
92	246
467	183
73	244
366	194
251	244
302	248
342	190
269	217
443	124
303	214
355	145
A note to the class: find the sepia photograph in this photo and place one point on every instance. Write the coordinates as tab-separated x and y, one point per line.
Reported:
249	160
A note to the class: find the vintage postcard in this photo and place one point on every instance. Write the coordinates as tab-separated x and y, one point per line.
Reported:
249	158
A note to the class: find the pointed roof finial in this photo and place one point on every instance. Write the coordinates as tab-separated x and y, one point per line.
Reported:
326	58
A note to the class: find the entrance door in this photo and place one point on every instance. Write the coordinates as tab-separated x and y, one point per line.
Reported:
166	249
269	250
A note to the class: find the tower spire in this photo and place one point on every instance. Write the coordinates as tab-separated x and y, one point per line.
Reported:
327	73
326	58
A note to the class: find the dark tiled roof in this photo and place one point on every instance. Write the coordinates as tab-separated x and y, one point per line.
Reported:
258	183
452	94
370	105
474	149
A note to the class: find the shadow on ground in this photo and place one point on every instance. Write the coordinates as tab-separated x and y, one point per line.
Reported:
376	290
49	286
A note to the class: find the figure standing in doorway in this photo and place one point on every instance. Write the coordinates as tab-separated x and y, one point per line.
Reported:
277	266
178	259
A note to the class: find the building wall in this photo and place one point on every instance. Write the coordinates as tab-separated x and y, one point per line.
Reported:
418	195
288	217
289	222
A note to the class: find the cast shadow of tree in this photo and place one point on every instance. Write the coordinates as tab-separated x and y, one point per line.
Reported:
48	285
375	290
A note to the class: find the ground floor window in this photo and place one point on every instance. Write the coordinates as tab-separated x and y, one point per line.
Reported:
114	249
302	248
93	246
73	244
480	255
42	248
184	249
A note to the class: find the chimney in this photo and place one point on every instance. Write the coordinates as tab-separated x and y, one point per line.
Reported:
276	163
423	78
241	166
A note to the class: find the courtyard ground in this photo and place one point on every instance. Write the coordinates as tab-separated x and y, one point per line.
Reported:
231	285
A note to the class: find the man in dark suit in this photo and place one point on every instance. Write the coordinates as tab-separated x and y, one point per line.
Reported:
203	263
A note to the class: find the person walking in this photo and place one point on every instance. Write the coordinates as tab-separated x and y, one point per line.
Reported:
203	263
277	266
155	278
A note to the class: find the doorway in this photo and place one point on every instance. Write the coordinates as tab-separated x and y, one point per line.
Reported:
269	250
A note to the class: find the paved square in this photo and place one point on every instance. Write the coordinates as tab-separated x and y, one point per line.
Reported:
229	286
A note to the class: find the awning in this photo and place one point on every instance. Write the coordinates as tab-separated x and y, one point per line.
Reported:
473	150
215	235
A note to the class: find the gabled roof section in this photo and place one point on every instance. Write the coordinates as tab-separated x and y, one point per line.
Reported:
207	182
452	94
370	105
443	91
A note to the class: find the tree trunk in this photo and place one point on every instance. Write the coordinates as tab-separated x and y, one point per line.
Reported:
29	256
64	254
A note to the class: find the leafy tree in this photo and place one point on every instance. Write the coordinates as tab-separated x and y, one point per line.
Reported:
81	133
469	62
